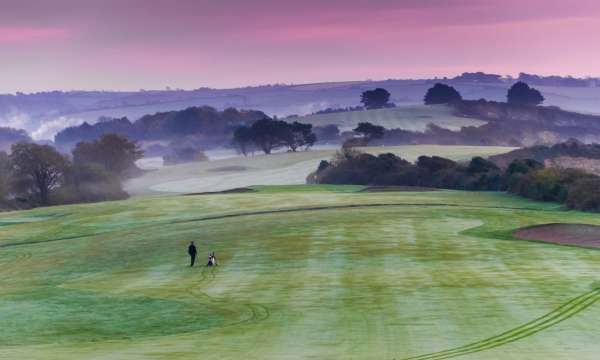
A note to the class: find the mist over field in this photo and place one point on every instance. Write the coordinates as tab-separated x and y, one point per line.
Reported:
316	179
43	115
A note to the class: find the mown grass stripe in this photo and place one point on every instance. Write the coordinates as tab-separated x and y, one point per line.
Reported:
267	212
563	312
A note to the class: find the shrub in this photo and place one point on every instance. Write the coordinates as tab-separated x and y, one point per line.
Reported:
584	195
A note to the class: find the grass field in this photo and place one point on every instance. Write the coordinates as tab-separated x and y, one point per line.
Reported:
408	117
275	169
316	272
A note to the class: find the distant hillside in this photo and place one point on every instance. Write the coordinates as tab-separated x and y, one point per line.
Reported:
410	117
205	123
43	114
561	155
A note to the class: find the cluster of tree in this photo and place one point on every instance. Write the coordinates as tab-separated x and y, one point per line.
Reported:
270	134
575	188
518	94
521	94
441	94
184	151
215	126
350	166
528	178
38	175
376	99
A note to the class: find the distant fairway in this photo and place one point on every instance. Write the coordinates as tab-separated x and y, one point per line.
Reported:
319	272
275	169
407	117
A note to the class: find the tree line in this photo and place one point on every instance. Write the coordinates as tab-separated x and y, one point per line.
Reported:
39	175
518	94
524	177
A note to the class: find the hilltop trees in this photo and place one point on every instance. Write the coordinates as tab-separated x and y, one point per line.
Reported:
521	94
37	170
376	99
441	94
270	134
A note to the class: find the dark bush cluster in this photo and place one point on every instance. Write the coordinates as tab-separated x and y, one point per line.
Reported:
575	188
351	166
527	178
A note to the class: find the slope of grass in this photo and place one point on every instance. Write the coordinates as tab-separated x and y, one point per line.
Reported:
305	272
408	117
275	169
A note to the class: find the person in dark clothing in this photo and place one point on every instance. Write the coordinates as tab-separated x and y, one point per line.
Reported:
192	251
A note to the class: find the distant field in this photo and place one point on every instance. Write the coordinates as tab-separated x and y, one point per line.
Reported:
306	272
275	169
415	118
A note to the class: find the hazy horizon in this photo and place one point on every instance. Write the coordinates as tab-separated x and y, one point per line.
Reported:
131	45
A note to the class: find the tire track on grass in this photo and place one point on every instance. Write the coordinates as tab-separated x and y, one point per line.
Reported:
558	315
257	312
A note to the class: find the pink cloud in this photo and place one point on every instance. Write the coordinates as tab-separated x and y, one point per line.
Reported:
19	35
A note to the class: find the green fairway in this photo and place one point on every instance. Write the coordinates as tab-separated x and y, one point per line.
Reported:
320	272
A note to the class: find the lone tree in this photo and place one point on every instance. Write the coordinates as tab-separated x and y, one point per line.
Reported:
521	94
442	94
376	99
37	170
369	131
300	135
115	153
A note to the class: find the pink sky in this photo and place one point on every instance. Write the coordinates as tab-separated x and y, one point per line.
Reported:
133	44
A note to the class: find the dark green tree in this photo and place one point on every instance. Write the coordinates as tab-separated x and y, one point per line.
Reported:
37	170
270	134
300	135
370	131
441	94
115	153
521	94
376	99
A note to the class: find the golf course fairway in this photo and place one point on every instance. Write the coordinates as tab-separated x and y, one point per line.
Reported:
305	272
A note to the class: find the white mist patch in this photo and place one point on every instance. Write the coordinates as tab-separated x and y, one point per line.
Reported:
16	119
49	128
